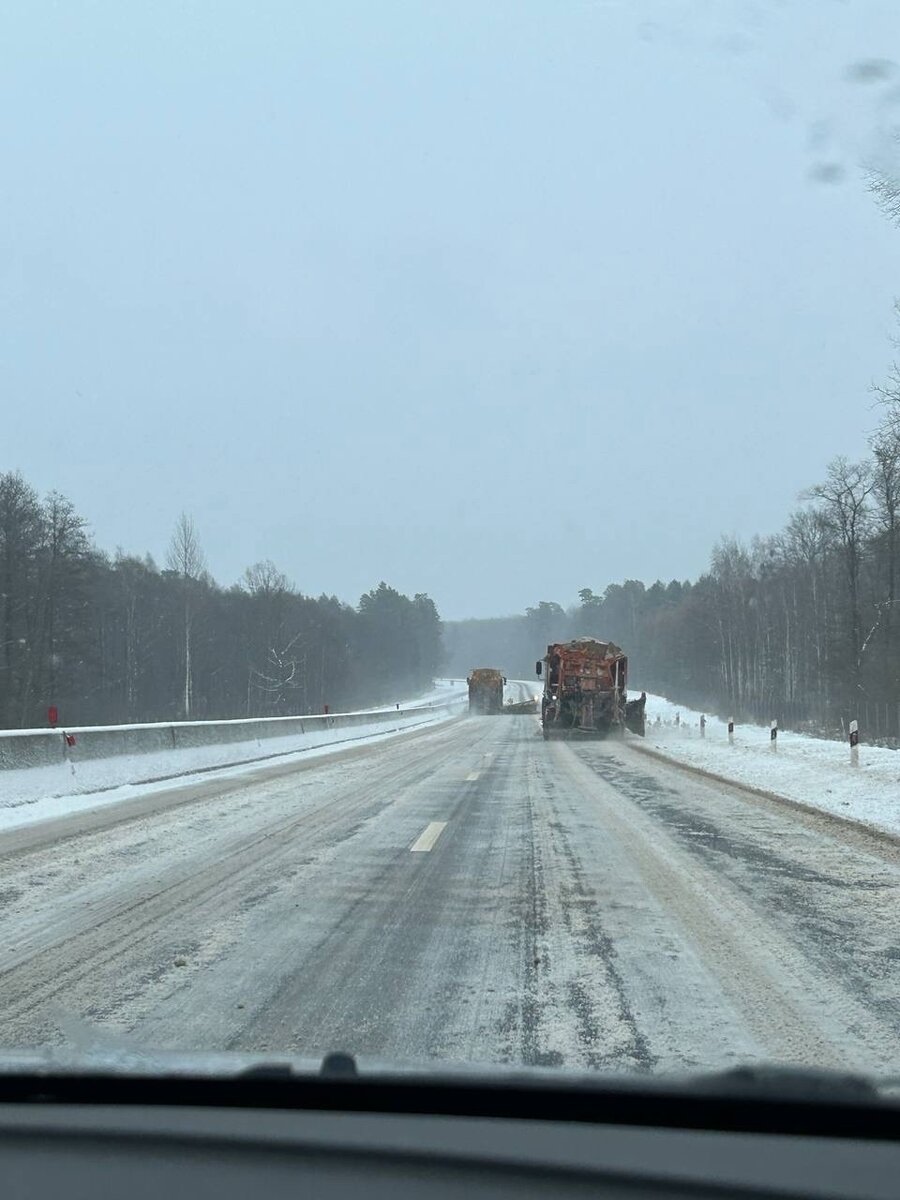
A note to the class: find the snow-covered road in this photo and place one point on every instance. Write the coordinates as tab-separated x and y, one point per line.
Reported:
465	892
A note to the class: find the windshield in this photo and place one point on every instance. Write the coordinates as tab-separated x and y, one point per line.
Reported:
450	532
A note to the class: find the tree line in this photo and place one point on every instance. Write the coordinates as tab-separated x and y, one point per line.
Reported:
113	639
801	627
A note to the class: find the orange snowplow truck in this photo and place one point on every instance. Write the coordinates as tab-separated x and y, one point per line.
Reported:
485	690
585	692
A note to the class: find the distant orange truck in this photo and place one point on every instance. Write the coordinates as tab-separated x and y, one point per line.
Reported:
486	690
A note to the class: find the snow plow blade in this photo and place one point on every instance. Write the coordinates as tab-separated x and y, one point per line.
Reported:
635	720
516	707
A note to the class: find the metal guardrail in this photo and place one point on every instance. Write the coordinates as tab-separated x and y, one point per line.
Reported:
54	762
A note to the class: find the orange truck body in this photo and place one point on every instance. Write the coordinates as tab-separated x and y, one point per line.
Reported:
585	690
485	690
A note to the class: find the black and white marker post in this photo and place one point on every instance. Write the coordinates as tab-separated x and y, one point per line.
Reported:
773	735
731	731
854	743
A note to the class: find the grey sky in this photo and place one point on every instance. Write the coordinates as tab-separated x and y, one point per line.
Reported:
490	300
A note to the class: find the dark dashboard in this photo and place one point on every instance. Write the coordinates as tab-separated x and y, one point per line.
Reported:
273	1135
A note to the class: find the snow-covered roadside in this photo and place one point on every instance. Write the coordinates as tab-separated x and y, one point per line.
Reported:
439	693
812	771
453	689
16	812
41	777
41	792
458	689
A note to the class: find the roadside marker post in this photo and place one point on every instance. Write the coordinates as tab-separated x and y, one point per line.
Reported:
773	736
731	731
854	743
703	725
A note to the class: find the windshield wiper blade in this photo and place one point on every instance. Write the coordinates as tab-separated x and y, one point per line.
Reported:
337	1064
749	1080
780	1082
789	1101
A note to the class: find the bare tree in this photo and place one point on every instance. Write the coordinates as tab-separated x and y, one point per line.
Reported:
886	191
275	649
20	535
885	445
886	472
185	557
808	542
731	571
264	578
844	502
888	394
60	559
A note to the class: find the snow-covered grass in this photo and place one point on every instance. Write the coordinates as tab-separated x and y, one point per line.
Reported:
811	770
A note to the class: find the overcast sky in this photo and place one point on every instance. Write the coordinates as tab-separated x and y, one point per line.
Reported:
490	300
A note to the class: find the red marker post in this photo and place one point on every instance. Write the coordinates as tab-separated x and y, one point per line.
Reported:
53	716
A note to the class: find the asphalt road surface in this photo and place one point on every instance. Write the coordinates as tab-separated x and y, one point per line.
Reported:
465	893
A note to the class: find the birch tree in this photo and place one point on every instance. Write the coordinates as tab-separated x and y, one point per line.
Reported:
185	558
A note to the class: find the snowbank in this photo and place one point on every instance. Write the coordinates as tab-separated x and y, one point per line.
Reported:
442	689
813	771
39	764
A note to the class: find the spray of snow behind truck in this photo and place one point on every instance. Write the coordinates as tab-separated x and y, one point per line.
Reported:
585	690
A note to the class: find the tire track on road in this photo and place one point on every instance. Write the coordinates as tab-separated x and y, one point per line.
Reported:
76	963
796	1010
